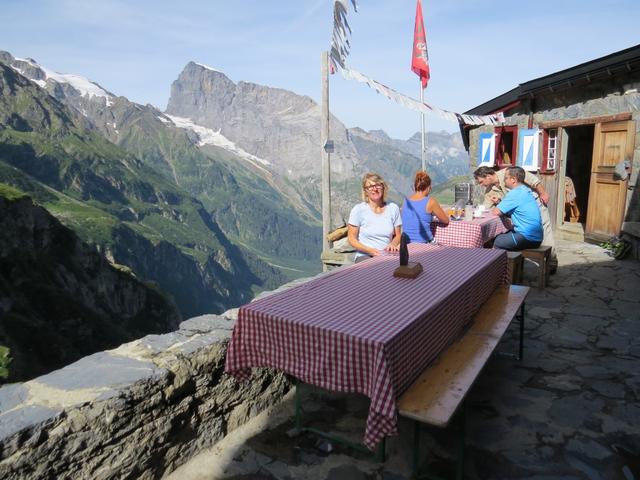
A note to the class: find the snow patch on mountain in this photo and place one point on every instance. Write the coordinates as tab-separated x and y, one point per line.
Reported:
85	86
208	67
208	136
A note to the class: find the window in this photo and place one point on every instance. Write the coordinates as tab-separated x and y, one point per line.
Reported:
528	148
506	143
550	150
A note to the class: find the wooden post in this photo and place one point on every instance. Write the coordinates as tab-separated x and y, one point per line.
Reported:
326	159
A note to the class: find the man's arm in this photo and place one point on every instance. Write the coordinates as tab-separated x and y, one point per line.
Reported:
544	196
492	198
534	183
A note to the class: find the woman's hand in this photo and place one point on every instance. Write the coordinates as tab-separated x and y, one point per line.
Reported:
391	248
394	244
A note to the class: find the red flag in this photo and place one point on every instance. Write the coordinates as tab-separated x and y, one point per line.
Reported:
420	58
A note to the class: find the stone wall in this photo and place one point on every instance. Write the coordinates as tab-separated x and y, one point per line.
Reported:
134	412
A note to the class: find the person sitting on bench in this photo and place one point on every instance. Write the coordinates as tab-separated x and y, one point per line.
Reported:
520	205
419	210
495	189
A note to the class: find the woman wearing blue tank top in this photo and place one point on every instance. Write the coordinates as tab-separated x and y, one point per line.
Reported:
419	209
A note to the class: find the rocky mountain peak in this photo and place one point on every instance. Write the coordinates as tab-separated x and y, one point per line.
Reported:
198	91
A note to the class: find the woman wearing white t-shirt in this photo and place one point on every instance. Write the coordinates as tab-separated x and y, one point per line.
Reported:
374	224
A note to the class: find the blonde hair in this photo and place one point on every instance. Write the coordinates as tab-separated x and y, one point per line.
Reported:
373	178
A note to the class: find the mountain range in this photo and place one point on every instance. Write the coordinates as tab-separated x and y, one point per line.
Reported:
215	198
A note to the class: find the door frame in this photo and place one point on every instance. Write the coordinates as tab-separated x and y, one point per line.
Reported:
561	172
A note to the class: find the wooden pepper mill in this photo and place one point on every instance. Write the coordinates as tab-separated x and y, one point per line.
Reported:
406	269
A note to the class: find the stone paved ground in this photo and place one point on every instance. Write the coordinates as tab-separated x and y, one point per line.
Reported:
569	410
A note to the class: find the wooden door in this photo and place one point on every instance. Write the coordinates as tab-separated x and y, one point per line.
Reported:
613	142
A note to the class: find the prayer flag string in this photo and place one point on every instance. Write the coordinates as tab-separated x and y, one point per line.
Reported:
340	47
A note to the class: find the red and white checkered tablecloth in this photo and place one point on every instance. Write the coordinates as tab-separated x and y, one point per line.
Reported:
472	234
360	329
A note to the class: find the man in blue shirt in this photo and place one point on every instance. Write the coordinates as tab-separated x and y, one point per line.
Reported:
520	205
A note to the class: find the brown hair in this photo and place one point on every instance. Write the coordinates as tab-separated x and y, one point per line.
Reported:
422	181
373	178
484	171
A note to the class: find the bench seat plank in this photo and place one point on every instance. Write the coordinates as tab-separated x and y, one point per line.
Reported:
436	394
498	311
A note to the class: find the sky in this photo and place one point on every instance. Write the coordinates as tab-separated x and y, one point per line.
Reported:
478	49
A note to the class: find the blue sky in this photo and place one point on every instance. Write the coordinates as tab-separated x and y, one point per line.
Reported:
478	49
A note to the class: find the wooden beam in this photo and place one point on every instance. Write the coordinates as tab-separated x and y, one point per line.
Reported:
585	121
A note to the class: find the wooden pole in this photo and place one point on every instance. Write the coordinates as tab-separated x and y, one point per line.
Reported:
326	158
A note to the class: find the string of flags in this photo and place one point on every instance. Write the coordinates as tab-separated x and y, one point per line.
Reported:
419	106
340	44
340	47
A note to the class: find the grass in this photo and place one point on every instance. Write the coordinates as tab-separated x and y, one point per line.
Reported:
11	193
92	224
5	359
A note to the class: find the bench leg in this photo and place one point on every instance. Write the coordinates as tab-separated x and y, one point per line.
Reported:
460	428
461	442
518	356
520	317
415	463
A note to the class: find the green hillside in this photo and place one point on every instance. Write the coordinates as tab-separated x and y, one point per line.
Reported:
112	199
250	209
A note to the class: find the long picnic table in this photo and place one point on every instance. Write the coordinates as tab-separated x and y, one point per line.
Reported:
359	329
468	234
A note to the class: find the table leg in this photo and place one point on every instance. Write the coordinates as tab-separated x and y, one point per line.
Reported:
378	456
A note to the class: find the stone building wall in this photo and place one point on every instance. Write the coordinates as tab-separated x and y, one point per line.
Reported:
138	411
597	100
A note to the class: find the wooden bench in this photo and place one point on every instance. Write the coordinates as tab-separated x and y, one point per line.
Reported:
541	257
436	395
515	265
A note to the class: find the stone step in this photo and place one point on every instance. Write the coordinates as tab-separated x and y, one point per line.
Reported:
573	232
